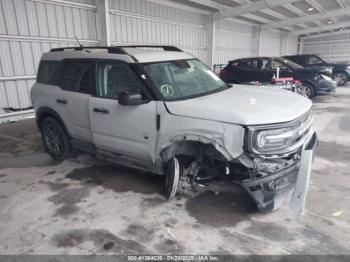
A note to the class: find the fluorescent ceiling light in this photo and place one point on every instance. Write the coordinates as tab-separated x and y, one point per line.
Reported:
310	9
330	22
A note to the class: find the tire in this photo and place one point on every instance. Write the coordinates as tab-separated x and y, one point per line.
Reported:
306	89
55	139
172	176
342	78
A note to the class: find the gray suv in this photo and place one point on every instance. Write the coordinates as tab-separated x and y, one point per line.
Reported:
159	109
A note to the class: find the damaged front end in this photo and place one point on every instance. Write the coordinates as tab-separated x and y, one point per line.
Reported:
274	160
268	161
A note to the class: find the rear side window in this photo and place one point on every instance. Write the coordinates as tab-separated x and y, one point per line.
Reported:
249	64
75	75
46	68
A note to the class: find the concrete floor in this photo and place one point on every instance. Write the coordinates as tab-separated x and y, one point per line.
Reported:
85	206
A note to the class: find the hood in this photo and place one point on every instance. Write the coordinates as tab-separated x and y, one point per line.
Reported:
244	105
339	65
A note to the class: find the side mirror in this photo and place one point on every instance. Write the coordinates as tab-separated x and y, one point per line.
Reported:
128	98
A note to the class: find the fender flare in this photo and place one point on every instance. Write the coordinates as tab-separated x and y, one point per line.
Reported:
44	112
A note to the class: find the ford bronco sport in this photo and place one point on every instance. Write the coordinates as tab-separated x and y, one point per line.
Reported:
159	109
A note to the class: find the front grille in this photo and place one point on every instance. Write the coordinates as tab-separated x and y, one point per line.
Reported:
296	133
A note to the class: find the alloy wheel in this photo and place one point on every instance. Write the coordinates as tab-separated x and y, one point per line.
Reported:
53	139
304	90
340	78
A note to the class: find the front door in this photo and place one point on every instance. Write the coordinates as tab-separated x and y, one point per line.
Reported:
127	131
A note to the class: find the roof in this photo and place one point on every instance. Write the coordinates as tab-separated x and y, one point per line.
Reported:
129	54
253	57
147	56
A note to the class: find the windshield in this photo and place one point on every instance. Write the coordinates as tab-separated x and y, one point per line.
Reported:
183	79
315	60
290	63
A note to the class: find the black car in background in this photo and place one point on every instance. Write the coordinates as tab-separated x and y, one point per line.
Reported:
264	69
341	72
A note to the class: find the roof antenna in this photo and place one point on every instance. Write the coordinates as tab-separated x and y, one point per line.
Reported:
76	38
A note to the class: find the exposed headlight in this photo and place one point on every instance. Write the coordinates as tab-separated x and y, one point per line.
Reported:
281	139
348	67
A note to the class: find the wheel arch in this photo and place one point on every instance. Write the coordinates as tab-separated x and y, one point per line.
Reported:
191	145
45	112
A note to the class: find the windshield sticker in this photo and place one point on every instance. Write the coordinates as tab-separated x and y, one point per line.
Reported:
167	90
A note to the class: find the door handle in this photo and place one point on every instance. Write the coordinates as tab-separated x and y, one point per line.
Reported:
101	110
61	101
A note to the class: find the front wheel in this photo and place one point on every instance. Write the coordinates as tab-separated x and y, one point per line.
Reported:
172	176
55	139
305	89
341	78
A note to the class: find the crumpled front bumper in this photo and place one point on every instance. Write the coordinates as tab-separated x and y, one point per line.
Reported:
269	192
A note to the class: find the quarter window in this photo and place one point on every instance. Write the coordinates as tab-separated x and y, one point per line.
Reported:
46	68
116	77
75	75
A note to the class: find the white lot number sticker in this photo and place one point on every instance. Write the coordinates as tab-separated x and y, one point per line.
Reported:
167	90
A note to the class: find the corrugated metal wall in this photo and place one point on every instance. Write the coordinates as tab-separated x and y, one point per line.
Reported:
333	47
270	44
30	27
292	45
232	41
142	22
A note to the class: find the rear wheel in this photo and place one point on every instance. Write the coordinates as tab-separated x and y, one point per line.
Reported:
55	139
306	89
172	176
341	78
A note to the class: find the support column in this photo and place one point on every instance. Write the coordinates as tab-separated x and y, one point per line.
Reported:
103	21
284	43
256	40
300	45
211	36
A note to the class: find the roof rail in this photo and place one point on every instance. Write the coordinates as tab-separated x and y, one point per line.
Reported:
164	47
110	49
116	49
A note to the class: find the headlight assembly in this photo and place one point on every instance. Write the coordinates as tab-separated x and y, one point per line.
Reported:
348	67
283	138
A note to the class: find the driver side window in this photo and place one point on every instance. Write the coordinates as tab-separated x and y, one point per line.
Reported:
115	77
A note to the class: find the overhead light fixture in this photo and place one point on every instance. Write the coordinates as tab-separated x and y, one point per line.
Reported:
330	22
310	9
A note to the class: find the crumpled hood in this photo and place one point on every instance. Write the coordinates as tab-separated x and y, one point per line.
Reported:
244	105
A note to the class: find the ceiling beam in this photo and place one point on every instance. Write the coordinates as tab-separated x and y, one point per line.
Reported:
305	19
249	8
322	28
320	8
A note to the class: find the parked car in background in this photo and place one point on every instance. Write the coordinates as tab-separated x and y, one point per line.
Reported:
264	69
340	72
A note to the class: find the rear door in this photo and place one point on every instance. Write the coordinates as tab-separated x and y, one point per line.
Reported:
265	71
71	99
129	132
248	71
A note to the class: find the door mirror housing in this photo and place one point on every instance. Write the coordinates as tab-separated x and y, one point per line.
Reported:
130	99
